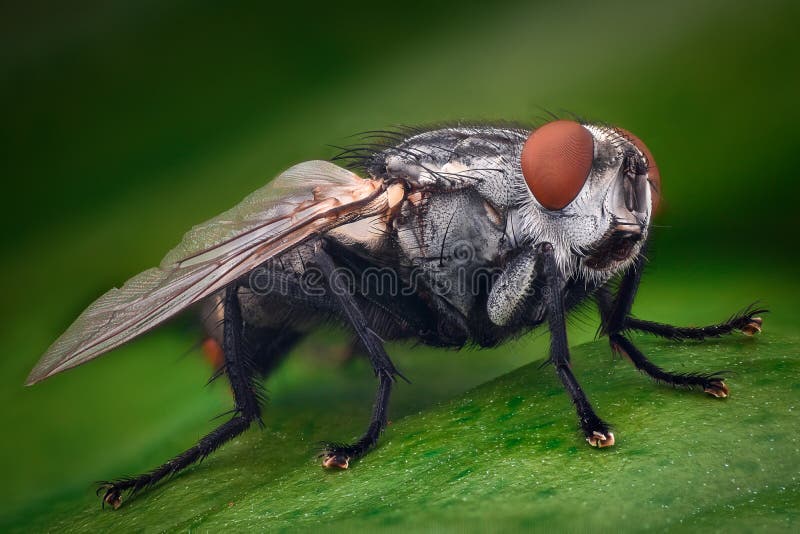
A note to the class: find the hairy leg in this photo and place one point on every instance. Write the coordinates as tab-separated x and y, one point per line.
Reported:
337	454
597	431
711	383
747	321
616	321
241	374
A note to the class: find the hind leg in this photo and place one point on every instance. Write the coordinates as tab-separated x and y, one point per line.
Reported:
241	373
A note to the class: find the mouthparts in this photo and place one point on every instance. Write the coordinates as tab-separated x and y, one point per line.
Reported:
616	246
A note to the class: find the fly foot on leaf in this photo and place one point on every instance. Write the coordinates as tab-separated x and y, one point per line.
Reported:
601	439
112	495
332	460
753	327
336	457
717	388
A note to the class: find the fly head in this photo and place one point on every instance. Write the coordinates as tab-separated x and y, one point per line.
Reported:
591	192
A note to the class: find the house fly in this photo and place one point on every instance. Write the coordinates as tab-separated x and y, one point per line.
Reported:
453	236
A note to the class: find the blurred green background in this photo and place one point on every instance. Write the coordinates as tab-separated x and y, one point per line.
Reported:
124	123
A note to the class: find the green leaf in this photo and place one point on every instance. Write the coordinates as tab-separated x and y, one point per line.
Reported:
508	454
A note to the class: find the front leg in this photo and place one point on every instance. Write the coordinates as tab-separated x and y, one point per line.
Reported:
748	322
597	431
338	454
616	320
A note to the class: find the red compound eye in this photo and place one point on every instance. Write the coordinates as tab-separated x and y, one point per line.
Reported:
652	169
556	161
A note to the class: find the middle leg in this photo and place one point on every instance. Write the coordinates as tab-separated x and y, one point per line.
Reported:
338	454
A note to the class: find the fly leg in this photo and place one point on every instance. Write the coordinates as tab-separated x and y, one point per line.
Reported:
747	321
247	408
339	454
597	431
616	320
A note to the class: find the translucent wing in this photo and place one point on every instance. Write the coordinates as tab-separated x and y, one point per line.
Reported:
306	200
